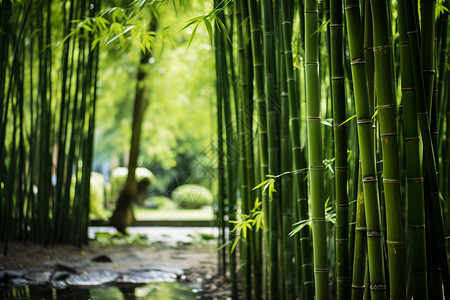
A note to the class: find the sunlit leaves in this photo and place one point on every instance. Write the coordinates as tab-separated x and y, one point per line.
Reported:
212	16
246	222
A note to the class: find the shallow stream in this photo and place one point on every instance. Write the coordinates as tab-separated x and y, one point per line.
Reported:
152	291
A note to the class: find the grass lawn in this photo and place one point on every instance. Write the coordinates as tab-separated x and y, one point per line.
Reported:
142	214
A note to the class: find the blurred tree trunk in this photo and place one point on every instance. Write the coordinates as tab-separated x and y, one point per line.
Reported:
123	214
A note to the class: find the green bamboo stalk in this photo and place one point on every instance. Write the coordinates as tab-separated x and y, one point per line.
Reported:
367	155
387	116
428	32
273	115
244	144
436	223
258	72
220	152
232	164
315	150
416	208
360	254
298	161
340	149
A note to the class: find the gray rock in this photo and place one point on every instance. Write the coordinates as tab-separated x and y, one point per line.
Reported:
102	258
19	282
38	276
144	277
93	278
14	273
59	284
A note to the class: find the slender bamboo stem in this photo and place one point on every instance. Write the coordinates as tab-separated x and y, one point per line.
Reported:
367	154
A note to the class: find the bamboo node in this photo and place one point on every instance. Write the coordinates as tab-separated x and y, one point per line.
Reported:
429	71
340	168
388	134
389	243
417	273
318	270
415	180
316	63
313	118
358	60
374	233
336	25
382	48
353	5
312	11
404	44
370	179
364	121
408	90
318	219
417	227
346	278
387	106
362	229
342	205
358	287
422	113
294	119
391	181
291	78
337	78
342	241
316	168
378	287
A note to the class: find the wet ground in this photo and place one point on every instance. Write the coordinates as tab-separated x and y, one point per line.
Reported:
176	262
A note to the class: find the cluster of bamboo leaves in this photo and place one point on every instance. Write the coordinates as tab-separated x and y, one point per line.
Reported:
47	96
333	125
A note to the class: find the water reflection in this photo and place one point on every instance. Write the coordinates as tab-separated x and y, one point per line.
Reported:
152	291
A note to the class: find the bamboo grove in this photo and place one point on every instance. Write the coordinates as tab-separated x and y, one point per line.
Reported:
333	149
47	120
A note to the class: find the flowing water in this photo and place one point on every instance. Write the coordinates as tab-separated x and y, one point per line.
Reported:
152	291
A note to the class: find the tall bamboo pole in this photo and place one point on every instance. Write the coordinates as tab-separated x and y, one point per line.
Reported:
315	150
435	223
416	207
340	149
387	116
367	154
273	115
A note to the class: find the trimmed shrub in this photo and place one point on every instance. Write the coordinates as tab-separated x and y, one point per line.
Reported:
160	202
118	178
192	196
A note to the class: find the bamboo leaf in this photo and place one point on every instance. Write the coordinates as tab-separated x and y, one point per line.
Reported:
321	27
209	29
223	28
261	184
375	114
192	36
352	117
235	243
302	224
